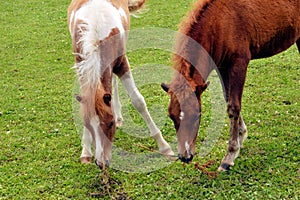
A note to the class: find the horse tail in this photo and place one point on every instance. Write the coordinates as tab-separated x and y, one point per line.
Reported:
89	69
134	5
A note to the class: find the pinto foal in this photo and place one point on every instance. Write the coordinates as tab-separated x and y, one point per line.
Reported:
99	31
231	33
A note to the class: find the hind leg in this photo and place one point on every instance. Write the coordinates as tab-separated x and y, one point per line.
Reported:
242	131
116	103
236	80
140	105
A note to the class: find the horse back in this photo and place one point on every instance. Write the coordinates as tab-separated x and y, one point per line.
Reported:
270	27
260	28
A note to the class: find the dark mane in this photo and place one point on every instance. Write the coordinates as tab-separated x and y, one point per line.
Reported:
193	16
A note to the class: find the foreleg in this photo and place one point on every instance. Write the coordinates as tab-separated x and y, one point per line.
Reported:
116	103
86	142
237	75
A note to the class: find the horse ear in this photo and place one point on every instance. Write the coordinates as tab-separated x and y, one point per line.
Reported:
165	87
206	85
107	99
201	88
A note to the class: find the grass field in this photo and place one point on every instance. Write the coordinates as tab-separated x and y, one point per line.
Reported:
40	145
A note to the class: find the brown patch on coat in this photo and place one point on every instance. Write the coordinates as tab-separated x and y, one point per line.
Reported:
134	5
123	4
76	44
74	6
104	108
112	48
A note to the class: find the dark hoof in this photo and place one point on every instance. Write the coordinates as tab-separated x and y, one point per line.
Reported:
224	167
184	159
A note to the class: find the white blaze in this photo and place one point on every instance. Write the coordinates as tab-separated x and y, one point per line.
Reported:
181	116
187	146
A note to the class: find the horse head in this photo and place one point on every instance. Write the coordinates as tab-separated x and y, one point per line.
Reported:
99	121
185	112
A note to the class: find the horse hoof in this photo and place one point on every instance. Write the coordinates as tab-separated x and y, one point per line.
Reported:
86	160
169	154
119	122
224	167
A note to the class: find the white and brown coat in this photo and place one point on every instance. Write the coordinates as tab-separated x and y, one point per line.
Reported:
99	30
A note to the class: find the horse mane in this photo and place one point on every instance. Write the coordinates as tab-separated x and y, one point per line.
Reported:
186	29
186	47
199	7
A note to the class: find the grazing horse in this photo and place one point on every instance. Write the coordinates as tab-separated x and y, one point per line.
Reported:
99	32
231	32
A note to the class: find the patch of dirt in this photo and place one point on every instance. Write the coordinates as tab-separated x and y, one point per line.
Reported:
106	186
203	168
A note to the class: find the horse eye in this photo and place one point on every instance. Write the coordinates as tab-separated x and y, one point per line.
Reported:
111	124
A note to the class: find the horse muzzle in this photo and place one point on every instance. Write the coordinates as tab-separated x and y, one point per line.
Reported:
186	159
187	155
101	165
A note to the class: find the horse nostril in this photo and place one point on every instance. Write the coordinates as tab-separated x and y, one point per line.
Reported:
184	159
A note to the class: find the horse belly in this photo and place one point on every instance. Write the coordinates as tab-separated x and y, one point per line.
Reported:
269	42
274	45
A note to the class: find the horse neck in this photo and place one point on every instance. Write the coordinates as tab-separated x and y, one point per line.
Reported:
187	74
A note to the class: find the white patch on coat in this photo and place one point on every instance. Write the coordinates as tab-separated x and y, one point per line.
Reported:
123	14
181	116
99	149
101	17
71	23
86	142
116	101
187	146
98	18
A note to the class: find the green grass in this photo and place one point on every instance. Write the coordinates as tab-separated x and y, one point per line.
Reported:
40	146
